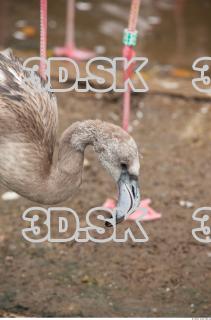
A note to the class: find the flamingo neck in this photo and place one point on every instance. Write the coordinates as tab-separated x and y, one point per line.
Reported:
66	175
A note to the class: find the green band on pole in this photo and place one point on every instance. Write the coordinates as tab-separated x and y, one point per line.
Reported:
130	38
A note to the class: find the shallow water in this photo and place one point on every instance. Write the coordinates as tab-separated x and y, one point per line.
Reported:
171	32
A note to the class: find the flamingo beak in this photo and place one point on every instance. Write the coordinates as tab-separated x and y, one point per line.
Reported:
129	197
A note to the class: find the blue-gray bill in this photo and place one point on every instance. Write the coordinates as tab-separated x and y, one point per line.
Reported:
129	198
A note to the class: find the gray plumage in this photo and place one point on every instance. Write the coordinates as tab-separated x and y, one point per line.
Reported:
28	129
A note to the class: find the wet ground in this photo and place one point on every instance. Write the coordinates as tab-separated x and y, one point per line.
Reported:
171	32
170	275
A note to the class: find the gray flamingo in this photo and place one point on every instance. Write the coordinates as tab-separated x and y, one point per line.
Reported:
28	129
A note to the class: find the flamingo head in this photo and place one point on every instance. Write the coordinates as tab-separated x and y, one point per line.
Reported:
118	154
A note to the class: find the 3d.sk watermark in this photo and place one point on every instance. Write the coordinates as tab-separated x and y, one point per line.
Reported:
203	232
103	68
99	69
63	225
203	82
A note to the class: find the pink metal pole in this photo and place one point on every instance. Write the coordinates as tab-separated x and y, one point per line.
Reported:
43	37
70	25
129	53
133	19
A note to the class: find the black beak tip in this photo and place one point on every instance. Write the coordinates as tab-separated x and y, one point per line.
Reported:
129	199
109	224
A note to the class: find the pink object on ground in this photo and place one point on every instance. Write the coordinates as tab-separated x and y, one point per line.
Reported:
149	216
74	53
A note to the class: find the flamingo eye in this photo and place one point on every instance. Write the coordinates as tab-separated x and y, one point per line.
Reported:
124	166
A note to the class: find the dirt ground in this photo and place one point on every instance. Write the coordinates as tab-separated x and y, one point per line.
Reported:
170	275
